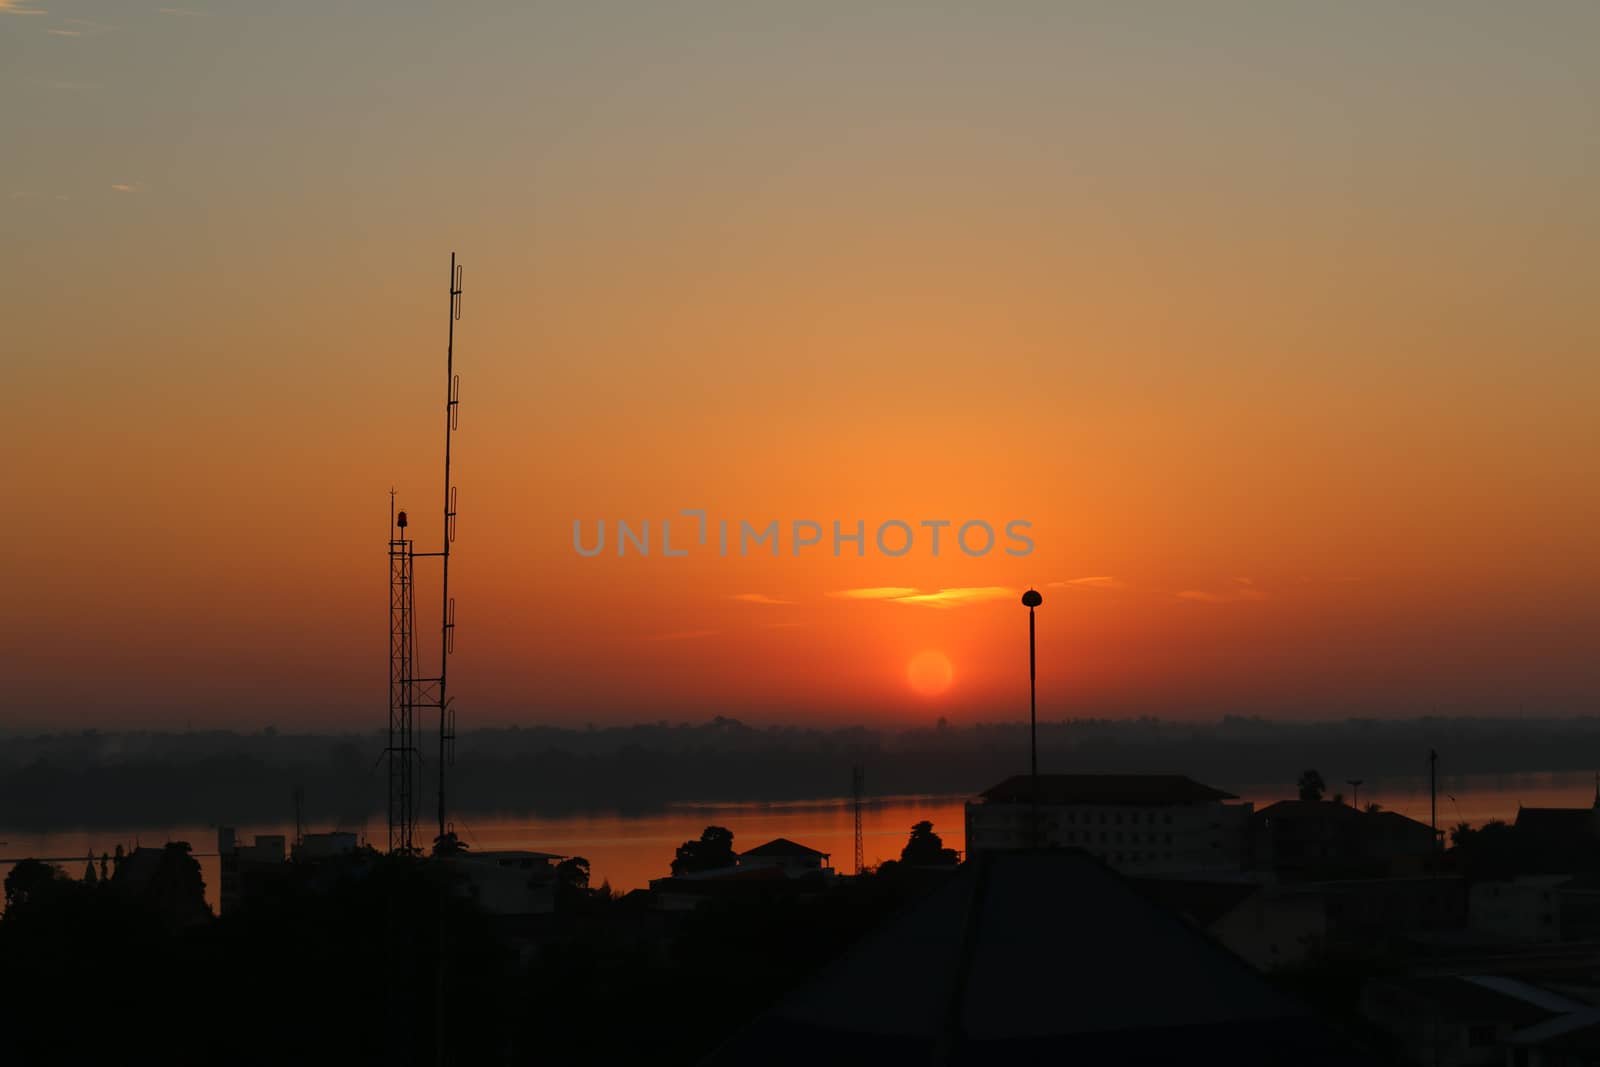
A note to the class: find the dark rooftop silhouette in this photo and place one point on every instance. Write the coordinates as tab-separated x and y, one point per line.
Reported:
780	846
1046	954
1129	789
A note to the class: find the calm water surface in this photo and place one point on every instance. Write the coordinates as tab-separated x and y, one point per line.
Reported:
628	850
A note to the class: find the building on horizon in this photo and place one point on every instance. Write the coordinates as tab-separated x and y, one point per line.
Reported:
1324	839
323	846
779	866
507	882
238	864
792	858
1559	840
1136	823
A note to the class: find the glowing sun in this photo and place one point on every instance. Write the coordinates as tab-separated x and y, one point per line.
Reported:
929	672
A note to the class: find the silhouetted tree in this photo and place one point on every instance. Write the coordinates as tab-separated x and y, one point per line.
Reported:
713	850
926	849
448	844
573	872
27	880
88	870
1374	807
173	887
105	866
1311	785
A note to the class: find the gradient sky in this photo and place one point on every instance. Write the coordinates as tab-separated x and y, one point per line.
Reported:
1277	321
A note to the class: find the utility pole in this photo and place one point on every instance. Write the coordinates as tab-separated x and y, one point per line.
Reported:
1433	796
1032	599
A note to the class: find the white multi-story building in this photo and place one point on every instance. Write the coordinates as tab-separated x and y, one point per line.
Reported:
1136	823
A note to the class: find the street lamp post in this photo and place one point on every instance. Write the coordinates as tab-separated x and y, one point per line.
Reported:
1031	599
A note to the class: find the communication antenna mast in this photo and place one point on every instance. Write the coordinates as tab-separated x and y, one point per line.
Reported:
409	691
447	604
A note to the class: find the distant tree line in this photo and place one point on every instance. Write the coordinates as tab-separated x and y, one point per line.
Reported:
98	778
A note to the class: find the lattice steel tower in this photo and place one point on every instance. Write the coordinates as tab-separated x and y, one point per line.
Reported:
402	752
409	690
858	776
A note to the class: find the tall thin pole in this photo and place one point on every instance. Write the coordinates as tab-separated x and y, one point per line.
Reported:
446	608
1033	599
1433	796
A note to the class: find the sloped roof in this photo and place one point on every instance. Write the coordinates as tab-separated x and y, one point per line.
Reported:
1306	809
1128	789
781	846
1046	956
1328	809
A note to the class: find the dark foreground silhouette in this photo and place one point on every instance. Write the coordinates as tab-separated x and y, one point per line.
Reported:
383	959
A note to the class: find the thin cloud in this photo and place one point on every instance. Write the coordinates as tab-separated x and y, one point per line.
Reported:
80	28
19	7
955	598
184	12
942	598
1097	581
1242	589
136	187
758	598
878	592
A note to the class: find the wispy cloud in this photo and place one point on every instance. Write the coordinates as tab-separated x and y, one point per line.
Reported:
184	12
681	635
134	187
758	598
942	598
877	592
19	7
80	28
1242	589
1097	581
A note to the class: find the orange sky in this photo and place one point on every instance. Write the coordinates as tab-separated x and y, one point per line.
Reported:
1278	326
